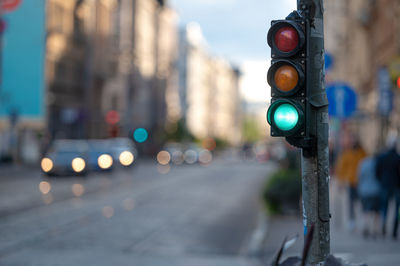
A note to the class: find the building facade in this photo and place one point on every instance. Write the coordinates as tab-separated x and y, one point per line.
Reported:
363	37
208	89
109	55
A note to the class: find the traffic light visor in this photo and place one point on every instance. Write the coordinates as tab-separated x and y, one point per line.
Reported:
286	39
285	117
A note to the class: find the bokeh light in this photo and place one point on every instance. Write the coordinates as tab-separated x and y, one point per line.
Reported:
177	157
205	157
140	135
163	169
163	157
46	164
126	158
78	190
78	165
47	198
108	211
190	156
209	144
44	187
105	161
129	204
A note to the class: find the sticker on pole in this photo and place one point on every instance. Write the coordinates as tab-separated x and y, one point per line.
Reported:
9	5
385	103
342	100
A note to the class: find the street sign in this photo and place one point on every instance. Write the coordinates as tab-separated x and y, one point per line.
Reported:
9	5
328	61
342	100
26	94
385	103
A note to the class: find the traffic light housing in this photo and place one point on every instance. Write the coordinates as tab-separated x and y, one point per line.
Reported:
287	77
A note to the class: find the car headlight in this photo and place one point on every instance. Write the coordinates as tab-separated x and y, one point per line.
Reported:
105	161
126	158
46	164
78	164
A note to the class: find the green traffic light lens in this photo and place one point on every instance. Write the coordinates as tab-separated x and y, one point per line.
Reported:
286	117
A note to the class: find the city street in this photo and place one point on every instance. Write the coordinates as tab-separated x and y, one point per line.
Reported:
146	215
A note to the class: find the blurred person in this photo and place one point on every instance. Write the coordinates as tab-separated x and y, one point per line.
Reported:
369	191
332	155
388	173
346	171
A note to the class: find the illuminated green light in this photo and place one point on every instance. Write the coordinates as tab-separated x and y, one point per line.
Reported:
286	117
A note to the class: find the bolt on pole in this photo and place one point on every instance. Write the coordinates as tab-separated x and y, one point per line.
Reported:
315	164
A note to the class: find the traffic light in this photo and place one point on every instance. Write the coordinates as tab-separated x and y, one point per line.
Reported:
287	113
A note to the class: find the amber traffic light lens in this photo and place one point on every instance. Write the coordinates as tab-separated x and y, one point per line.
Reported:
286	39
286	78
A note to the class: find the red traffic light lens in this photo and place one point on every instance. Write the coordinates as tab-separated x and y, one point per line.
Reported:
286	39
286	78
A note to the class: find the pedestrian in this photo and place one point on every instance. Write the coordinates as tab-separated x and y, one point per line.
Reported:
388	173
369	191
346	171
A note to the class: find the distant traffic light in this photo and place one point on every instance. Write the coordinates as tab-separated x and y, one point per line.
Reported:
112	117
286	76
140	135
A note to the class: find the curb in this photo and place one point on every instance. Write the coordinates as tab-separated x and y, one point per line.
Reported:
255	245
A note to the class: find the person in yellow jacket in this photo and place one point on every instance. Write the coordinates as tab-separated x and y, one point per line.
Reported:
346	171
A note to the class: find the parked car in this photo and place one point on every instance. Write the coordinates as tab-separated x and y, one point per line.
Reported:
123	151
66	157
100	155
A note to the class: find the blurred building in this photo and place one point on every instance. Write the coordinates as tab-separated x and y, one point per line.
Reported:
225	116
80	58
22	87
364	36
209	90
109	55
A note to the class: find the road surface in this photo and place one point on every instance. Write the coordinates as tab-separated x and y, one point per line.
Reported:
147	215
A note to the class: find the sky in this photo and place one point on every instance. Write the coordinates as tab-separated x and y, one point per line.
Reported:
237	30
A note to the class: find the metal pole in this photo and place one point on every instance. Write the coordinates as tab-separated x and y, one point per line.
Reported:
315	161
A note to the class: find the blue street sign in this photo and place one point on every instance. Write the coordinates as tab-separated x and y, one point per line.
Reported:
328	61
342	100
22	86
385	103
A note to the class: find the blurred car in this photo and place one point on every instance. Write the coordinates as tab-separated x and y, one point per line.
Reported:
100	155
123	151
66	157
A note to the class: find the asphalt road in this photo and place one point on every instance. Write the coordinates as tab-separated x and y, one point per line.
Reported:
183	215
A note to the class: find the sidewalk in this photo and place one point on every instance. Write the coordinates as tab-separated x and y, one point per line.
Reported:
350	246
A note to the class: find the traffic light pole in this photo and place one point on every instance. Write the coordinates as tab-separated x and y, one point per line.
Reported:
315	160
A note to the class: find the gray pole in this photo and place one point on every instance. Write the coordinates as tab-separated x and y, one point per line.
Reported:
315	161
